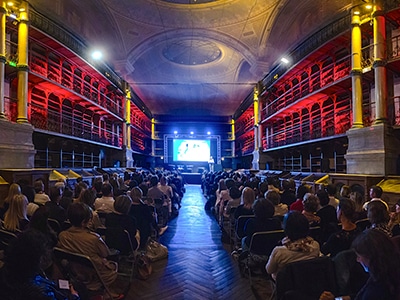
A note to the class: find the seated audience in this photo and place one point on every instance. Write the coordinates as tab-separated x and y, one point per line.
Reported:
310	207
246	204
298	204
88	197
79	239
21	277
121	220
331	190
143	215
379	217
14	189
280	208
297	245
288	195
378	256
342	240
15	218
344	192
106	202
56	211
375	193
327	213
263	221
234	202
394	223
66	198
358	199
40	197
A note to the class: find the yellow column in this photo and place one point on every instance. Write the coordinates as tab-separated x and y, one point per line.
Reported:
153	137
356	70
3	59
233	136
380	63
256	117
22	92
127	131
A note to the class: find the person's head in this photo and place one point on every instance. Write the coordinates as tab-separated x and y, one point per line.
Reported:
229	182
23	256
376	252
153	181
397	206
331	189
88	197
221	184
273	196
29	192
79	214
14	189
346	209
234	192
377	212
55	194
295	225
310	203
107	190
144	188
345	191
136	194
163	180
375	191
106	177
38	186
122	204
323	197
79	188
39	219
358	200
248	196
263	208
302	190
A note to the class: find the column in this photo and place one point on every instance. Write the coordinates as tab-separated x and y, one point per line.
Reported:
153	137
22	91
379	64
3	59
256	118
127	127
356	70
233	135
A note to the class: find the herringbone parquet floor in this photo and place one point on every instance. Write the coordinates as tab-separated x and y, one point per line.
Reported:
199	265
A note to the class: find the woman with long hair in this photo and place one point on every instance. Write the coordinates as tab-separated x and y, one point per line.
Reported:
15	218
14	189
378	256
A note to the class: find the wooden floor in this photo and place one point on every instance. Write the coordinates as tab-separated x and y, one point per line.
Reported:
199	265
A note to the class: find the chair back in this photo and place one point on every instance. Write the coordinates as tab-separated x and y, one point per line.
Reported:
264	242
55	225
240	222
118	238
363	224
306	278
6	237
79	268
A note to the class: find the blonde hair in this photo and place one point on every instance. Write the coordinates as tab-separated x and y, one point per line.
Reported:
15	189
16	212
248	197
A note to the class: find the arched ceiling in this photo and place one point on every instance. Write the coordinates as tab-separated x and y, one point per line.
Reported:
192	57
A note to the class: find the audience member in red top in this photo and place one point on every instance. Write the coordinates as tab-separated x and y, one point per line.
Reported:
301	191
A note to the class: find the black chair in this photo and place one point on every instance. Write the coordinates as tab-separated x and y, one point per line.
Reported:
120	239
315	232
306	279
6	237
363	224
260	248
55	225
81	270
239	228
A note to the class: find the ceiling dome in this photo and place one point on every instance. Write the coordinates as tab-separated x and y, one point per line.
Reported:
191	52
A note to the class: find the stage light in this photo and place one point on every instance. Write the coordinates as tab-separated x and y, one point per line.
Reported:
175	132
191	132
97	55
208	132
285	60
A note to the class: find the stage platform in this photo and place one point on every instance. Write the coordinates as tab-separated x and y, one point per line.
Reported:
192	178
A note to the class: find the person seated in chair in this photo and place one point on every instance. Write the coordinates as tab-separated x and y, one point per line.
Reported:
122	221
379	257
263	221
342	240
106	202
79	239
297	245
